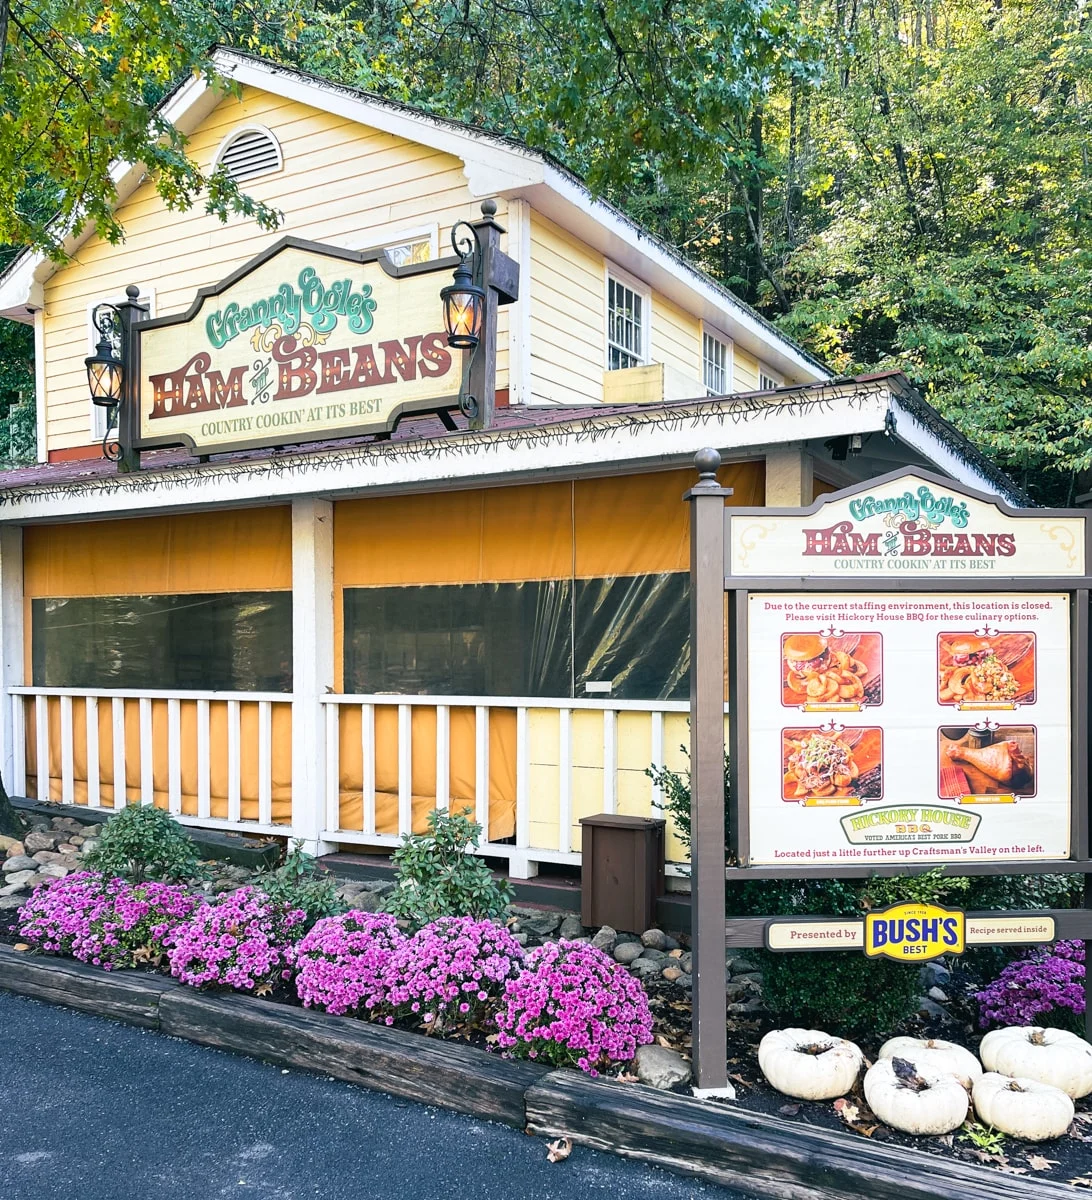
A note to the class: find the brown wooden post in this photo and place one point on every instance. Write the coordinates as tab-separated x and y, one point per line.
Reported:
500	279
710	1008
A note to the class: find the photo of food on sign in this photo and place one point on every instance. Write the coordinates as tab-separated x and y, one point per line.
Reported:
981	762
833	766
995	671
831	671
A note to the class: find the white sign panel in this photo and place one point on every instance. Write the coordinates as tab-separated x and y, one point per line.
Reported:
906	528
908	727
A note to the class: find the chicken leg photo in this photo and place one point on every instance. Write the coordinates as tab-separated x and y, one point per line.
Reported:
1003	762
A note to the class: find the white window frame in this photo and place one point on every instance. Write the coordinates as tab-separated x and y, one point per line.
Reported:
768	378
98	413
419	233
640	289
238	132
715	335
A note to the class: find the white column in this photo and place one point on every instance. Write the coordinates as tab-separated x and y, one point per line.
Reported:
312	665
788	476
11	646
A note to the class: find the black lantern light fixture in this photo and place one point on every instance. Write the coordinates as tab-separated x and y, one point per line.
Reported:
464	297
104	372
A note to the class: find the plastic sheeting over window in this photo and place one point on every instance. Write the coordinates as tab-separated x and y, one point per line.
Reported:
542	638
224	641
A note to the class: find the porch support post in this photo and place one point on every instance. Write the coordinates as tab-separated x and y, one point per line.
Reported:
707	668
312	665
788	476
11	649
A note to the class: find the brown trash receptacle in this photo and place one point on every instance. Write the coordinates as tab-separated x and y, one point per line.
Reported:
622	871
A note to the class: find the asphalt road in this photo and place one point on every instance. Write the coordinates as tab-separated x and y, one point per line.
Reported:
93	1110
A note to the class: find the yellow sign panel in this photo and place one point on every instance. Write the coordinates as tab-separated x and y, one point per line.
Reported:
305	342
815	934
914	932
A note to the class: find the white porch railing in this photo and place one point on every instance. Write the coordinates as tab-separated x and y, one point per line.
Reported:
69	725
544	813
223	760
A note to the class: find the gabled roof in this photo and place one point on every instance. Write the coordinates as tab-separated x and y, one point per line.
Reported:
494	165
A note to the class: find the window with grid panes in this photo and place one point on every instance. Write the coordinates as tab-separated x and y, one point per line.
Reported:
418	250
625	326
714	358
767	382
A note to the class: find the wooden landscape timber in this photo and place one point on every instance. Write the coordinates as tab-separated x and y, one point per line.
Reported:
409	1065
761	1155
129	996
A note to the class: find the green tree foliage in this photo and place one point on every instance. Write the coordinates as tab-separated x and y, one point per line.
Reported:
899	183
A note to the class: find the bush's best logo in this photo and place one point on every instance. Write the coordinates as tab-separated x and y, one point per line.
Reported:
914	932
913	530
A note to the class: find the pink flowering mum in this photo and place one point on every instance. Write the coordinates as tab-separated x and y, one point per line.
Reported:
574	1006
1047	983
451	972
109	923
342	961
240	940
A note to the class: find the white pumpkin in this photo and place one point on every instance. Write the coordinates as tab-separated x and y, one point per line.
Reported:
1023	1108
936	1057
1053	1056
809	1064
913	1099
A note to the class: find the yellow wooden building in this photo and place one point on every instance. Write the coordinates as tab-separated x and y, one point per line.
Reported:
326	639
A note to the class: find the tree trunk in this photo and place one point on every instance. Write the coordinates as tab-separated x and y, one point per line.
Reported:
12	823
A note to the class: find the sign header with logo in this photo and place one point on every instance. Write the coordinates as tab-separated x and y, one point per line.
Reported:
304	342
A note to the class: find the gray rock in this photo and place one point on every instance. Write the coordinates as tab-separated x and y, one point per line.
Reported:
541	925
604	940
69	847
55	870
745	1006
68	824
92	831
686	961
748	977
10	888
520	938
368	902
10	903
89	844
656	956
661	1068
38	840
742	966
670	943
48	856
19	863
644	968
348	892
939	996
571	928
656	938
382	888
734	992
686	982
38	878
627	952
934	974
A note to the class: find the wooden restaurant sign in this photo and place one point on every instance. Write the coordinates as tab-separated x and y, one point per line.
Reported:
302	343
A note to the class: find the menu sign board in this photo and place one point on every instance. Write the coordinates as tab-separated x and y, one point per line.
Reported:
908	727
304	342
907	527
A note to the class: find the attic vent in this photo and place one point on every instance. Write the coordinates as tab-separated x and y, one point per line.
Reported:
248	153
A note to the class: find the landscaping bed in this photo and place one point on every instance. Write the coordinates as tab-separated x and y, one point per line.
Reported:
446	1002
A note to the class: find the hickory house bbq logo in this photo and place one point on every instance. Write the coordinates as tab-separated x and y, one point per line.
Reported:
916	524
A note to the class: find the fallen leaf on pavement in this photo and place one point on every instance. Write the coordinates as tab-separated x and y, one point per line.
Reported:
1039	1163
559	1151
789	1110
848	1112
21	946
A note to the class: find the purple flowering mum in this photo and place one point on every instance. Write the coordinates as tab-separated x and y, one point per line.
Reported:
573	1005
105	921
240	940
342	962
1048	981
451	972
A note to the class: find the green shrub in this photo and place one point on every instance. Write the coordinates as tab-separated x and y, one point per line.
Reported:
298	883
437	876
142	842
676	798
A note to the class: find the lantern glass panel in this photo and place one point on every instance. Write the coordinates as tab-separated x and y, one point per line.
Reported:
463	317
104	380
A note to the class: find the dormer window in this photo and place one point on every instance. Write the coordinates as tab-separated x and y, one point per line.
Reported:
249	152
